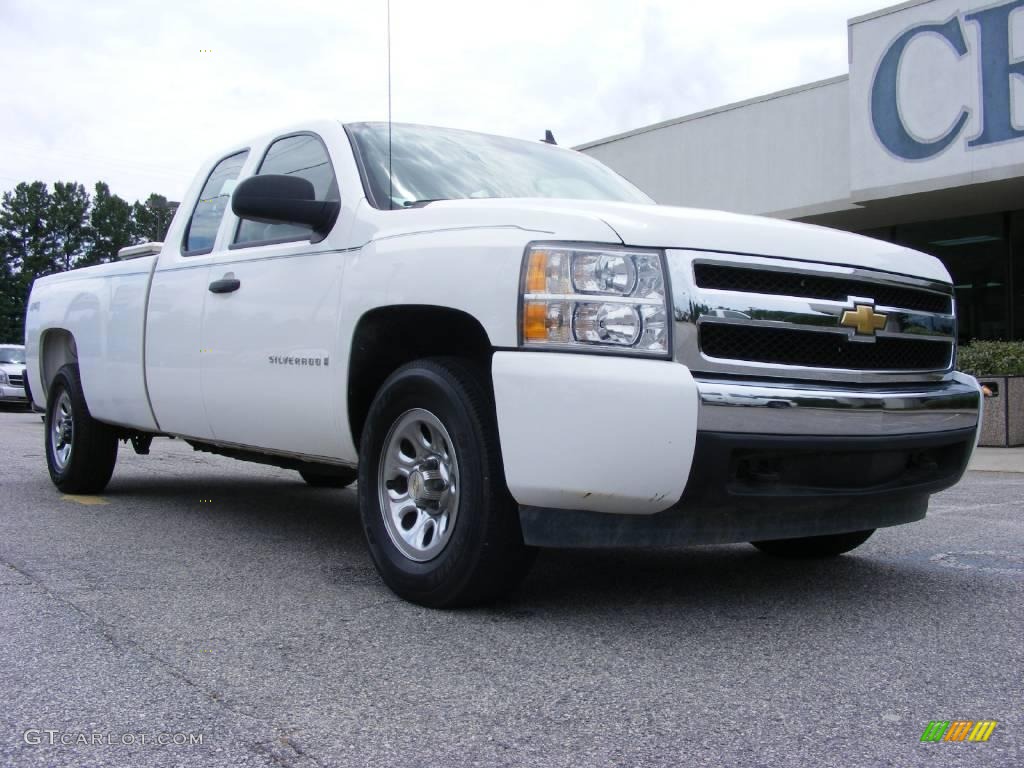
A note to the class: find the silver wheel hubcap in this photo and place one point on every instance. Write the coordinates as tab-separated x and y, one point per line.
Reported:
62	431
418	485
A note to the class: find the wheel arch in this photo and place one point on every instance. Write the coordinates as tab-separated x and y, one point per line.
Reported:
386	338
57	348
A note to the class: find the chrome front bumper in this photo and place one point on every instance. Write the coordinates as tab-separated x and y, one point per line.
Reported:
778	408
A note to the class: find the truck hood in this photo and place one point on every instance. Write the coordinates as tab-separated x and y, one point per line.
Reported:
663	226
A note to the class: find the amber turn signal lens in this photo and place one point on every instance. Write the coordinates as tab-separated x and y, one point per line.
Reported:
535	321
536	272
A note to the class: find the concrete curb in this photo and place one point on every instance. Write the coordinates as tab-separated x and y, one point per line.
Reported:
997	460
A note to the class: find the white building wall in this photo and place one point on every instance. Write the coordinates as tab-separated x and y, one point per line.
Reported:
786	154
937	85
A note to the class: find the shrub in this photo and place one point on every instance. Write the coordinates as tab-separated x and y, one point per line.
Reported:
992	358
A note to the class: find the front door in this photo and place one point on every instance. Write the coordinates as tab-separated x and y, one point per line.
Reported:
270	323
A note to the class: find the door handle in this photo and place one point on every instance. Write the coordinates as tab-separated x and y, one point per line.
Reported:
225	285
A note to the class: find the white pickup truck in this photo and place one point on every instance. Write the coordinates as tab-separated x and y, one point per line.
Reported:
510	347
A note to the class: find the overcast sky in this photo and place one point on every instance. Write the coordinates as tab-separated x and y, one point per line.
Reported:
126	92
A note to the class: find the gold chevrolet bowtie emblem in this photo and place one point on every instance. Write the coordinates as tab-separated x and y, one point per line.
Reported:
864	319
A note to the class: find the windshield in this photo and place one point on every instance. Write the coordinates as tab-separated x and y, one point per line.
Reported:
9	355
445	164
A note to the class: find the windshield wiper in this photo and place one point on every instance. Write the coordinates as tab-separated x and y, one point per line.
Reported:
425	201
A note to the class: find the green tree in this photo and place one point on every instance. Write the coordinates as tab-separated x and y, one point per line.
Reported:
111	226
27	251
25	229
42	233
68	223
152	218
10	319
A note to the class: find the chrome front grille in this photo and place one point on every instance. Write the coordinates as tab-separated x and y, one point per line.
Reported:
776	283
760	316
16	380
821	350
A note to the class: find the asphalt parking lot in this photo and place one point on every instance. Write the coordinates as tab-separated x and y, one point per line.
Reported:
203	596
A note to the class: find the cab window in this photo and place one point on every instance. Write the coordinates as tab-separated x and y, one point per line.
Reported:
303	155
213	201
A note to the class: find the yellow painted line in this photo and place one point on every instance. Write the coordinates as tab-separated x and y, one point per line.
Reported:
89	501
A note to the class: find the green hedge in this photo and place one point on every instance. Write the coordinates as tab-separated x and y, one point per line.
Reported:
992	358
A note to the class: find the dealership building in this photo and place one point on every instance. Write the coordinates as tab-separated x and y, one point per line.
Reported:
921	144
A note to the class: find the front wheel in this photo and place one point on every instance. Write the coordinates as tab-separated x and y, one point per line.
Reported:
439	521
814	546
80	451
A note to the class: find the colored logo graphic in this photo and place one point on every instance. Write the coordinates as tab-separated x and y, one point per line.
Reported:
864	319
959	730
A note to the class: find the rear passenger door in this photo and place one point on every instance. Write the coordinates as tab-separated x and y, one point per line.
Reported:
271	343
174	348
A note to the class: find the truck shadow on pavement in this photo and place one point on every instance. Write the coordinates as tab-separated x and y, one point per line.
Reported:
319	531
272	504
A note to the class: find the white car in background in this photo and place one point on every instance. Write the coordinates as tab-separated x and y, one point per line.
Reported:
12	374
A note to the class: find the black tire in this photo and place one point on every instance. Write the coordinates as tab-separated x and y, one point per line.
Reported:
814	546
484	555
28	389
341	479
93	445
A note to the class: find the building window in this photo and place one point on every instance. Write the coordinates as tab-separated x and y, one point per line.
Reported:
976	251
1017	272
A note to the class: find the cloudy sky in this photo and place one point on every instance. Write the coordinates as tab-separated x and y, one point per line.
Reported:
138	93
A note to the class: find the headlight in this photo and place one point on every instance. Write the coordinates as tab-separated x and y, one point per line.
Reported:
600	298
3	377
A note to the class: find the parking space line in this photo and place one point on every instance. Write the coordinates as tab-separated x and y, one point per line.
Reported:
87	500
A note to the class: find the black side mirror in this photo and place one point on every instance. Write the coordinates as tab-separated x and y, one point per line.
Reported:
279	199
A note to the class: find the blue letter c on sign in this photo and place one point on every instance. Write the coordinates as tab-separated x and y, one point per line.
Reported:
885	111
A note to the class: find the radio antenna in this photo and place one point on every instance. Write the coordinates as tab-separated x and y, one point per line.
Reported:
391	181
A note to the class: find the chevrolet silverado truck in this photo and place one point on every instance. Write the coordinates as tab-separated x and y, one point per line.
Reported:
509	347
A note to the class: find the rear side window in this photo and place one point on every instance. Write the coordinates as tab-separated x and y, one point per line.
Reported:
213	201
304	156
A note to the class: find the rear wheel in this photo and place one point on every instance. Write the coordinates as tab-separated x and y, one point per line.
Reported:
80	451
814	546
340	479
441	526
28	390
